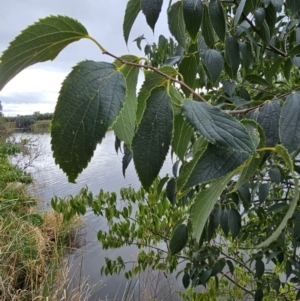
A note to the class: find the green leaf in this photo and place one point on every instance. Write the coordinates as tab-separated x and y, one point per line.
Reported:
90	100
287	69
217	126
268	118
179	239
186	280
192	15
264	32
259	15
259	295
233	53
189	167
39	42
171	191
239	12
272	72
125	124
216	14
229	86
205	202
213	61
151	9
263	192
224	222
126	160
188	68
182	135
260	268
271	17
132	10
290	122
234	222
246	52
151	142
295	50
214	163
176	23
293	5
152	80
250	168
277	4
207	29
282	151
256	79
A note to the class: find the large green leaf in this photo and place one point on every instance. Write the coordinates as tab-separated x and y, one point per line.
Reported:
40	42
290	122
182	135
192	15
268	118
152	80
205	202
213	62
282	151
217	126
89	102
132	10
125	124
176	23
151	142
216	14
151	9
188	68
215	163
259	15
206	28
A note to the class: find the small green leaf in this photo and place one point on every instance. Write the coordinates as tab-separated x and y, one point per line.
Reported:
287	69
179	239
277	4
132	10
260	268
271	17
224	222
182	135
217	126
268	118
171	191
295	50
230	266
151	9
40	42
207	29
213	61
256	79
239	12
186	280
176	23
216	14
272	72
234	222
229	86
126	160
259	295
188	68
151	142
263	192
290	122
125	124
259	16
233	53
90	100
264	32
247	56
192	15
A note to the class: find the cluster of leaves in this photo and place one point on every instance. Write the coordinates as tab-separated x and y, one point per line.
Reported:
224	99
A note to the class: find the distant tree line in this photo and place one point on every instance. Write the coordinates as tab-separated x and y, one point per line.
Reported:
25	121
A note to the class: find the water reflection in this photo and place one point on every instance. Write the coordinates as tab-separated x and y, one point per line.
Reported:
104	171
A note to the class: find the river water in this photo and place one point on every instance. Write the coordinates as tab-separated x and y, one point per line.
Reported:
104	171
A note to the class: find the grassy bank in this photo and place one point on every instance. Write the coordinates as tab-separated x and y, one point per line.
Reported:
32	244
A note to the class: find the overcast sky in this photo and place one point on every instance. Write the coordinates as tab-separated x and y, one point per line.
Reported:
36	88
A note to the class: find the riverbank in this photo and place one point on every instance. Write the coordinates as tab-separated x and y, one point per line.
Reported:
32	243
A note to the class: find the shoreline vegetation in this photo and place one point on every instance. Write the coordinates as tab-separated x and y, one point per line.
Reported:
33	244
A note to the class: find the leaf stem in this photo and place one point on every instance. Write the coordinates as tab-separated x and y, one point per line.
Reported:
97	43
263	149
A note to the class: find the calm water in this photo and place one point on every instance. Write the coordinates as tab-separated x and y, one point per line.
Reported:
104	171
